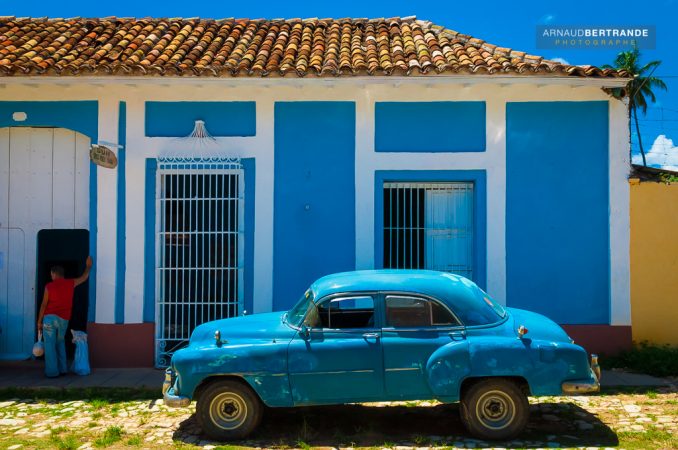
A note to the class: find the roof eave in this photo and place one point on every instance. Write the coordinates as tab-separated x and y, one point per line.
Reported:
601	82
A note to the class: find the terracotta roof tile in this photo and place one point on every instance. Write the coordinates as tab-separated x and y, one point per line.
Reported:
258	47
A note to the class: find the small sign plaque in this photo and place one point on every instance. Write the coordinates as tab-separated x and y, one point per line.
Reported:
103	156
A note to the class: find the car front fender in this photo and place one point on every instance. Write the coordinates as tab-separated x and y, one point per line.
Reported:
262	365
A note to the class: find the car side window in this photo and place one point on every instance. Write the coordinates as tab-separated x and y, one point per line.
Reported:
414	312
347	312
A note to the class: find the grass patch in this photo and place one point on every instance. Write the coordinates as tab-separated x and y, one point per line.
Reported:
421	441
303	445
93	396
110	437
134	441
656	360
651	438
97	403
57	431
68	442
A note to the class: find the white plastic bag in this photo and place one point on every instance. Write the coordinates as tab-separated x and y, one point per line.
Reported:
39	346
81	360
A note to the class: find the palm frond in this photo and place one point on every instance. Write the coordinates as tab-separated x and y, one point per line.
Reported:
649	67
641	88
657	82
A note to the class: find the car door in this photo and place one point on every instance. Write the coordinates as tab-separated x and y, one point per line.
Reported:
337	357
414	328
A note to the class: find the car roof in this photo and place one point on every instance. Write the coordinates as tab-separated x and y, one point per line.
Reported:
441	285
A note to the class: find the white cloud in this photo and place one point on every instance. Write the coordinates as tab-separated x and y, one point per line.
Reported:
663	154
547	19
560	60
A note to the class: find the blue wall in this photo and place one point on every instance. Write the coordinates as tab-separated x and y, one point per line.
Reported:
121	249
249	166
314	222
429	126
557	218
177	119
80	116
149	239
478	177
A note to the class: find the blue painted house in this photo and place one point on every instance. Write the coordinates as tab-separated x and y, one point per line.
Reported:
254	156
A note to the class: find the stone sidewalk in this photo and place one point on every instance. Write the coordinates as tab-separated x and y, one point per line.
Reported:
29	374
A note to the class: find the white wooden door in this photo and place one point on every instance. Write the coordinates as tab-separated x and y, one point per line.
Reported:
44	174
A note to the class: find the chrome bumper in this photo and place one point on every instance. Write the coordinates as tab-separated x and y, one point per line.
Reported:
592	384
169	399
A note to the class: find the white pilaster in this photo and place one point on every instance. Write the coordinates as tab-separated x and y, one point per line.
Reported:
263	150
135	172
364	182
496	196
106	217
620	221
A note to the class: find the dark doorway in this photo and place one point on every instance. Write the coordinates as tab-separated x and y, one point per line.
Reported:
69	249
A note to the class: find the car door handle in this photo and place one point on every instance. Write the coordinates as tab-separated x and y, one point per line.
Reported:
371	335
457	335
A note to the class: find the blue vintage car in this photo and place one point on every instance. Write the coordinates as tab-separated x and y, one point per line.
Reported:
379	336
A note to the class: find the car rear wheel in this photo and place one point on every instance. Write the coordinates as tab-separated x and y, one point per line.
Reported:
228	409
495	408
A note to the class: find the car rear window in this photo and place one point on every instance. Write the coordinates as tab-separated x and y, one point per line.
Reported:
478	308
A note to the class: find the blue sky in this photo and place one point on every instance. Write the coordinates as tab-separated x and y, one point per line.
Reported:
508	24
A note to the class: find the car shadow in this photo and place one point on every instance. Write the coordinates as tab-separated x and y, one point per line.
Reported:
409	424
638	390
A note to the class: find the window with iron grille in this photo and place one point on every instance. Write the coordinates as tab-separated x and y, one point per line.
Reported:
200	241
429	226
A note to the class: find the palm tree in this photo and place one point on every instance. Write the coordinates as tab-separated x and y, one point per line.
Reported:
639	88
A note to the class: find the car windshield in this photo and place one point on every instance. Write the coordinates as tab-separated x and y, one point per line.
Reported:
296	315
483	311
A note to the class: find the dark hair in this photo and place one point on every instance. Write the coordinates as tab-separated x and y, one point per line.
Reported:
58	271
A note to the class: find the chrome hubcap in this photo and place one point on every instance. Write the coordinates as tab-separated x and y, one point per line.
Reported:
495	410
228	411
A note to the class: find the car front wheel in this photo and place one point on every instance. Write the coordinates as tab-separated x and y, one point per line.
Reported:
228	409
494	409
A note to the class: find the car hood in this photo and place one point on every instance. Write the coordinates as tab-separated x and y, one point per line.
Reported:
255	327
538	326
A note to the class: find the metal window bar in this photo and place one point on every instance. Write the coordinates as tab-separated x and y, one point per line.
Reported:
429	226
199	248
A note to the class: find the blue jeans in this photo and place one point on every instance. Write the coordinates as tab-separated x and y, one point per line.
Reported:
54	334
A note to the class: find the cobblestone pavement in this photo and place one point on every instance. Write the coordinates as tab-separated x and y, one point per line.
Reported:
628	420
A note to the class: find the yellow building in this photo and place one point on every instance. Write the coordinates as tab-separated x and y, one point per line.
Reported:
654	261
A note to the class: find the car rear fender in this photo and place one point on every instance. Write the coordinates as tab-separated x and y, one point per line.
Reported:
544	364
447	367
